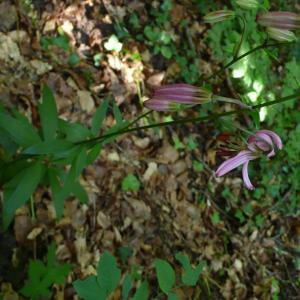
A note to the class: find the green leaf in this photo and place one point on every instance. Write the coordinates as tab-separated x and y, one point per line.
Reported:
66	157
93	153
166	51
61	42
127	286
198	166
7	143
108	273
142	292
183	259
48	114
58	199
51	255
117	114
215	218
74	59
130	182
19	190
21	132
49	147
80	193
125	252
254	113
150	33
173	296
12	169
165	37
42	277
73	132
165	275
80	161
89	289
33	289
192	144
114	129
190	276
99	116
177	143
71	184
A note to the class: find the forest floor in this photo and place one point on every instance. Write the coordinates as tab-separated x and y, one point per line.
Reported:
176	203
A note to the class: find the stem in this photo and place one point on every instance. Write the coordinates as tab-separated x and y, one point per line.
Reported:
234	60
242	38
197	119
32	208
139	118
230	100
117	132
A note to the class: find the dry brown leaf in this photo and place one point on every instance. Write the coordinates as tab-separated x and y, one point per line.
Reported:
86	101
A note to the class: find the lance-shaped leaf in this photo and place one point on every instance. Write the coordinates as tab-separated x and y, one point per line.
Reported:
99	117
19	189
48	114
19	130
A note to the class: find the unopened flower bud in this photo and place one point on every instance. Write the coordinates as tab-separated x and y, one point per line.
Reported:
167	97
219	16
281	35
248	4
281	20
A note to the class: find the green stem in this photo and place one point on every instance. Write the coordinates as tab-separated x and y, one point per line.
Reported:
139	118
234	60
197	119
32	208
230	100
242	38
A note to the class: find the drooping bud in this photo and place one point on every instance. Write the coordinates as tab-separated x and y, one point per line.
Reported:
281	20
248	4
167	97
219	16
281	35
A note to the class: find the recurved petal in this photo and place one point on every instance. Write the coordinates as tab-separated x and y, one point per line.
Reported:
263	141
232	163
274	136
246	178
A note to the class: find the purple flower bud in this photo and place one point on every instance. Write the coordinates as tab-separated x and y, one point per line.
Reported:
167	97
219	16
281	35
160	105
248	4
281	20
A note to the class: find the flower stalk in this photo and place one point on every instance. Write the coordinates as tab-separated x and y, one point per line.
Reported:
230	100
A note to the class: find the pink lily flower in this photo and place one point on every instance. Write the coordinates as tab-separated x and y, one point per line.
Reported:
263	142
